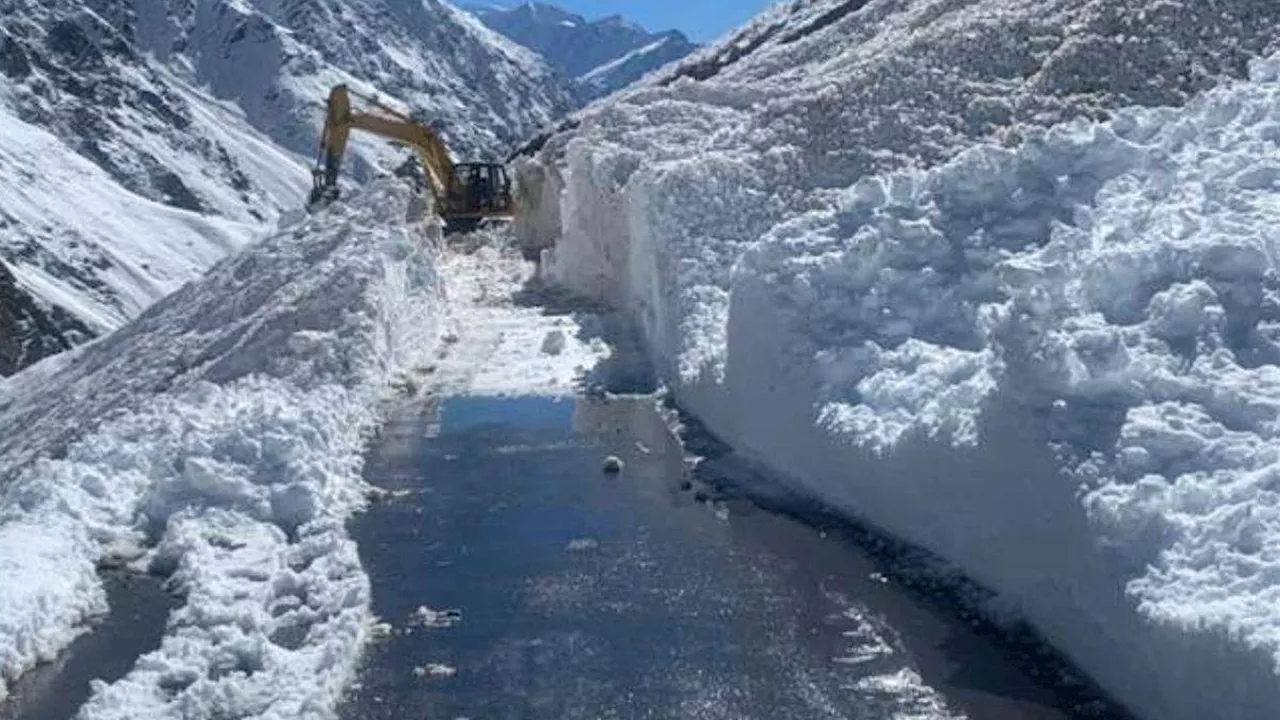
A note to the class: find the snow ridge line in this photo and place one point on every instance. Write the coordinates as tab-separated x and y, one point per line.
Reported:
235	474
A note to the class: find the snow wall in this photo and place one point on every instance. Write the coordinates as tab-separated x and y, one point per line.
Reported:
219	439
1052	361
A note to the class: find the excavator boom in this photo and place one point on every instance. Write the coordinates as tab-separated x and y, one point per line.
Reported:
464	192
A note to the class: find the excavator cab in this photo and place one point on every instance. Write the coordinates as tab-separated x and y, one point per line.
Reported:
479	190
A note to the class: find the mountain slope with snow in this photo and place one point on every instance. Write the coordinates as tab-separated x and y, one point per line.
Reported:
200	118
631	67
78	240
482	91
602	56
988	308
118	181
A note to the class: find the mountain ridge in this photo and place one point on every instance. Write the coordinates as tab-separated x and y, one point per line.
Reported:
581	49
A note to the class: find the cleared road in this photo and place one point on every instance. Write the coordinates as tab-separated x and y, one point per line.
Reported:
580	594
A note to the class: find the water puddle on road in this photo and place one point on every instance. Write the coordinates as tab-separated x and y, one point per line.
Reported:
139	607
523	581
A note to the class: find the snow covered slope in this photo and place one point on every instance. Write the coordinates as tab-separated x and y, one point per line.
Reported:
107	166
92	252
631	67
199	113
1047	355
81	75
220	434
484	91
602	56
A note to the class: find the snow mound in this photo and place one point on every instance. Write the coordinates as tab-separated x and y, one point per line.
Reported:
222	431
987	308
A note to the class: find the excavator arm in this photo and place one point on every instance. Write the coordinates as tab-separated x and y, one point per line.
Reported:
466	191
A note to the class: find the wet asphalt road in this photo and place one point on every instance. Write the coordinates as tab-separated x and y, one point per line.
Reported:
135	625
586	595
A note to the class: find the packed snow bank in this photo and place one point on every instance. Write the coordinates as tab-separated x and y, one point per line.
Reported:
221	434
1044	351
1108	291
815	95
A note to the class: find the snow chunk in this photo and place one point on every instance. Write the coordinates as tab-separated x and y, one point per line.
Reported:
435	671
436	619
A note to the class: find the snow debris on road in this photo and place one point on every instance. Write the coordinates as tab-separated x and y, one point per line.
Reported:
504	345
1040	344
436	619
435	671
223	432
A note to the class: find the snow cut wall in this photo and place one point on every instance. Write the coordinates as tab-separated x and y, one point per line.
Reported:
958	305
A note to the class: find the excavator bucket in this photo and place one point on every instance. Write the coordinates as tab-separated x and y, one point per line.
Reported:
321	194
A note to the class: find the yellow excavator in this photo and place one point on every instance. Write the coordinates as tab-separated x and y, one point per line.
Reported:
465	193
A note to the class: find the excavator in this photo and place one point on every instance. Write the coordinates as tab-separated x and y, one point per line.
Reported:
465	193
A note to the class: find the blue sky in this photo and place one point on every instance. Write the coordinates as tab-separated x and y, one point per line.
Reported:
701	20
